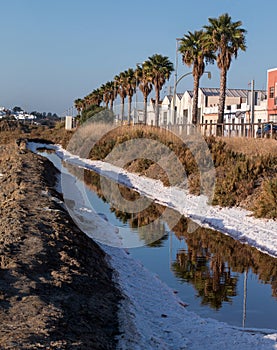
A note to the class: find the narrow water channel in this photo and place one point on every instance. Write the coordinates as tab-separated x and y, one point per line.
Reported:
215	275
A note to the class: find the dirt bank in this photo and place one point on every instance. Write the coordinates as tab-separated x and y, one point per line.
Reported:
56	289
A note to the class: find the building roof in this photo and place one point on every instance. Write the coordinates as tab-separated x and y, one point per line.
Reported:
230	92
190	93
244	93
169	97
271	70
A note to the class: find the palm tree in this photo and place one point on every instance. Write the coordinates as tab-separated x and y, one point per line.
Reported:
111	88
158	69
226	38
79	105
145	86
196	52
105	94
94	98
130	87
121	90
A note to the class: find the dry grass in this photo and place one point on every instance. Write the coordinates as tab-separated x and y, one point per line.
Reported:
250	146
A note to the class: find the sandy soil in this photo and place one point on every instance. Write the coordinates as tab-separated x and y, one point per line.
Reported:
56	289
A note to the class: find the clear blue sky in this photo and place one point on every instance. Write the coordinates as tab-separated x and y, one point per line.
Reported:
54	51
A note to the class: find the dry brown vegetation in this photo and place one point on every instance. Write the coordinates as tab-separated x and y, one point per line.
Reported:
11	130
252	146
245	168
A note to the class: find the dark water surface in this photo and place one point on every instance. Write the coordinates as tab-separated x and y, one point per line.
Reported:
215	275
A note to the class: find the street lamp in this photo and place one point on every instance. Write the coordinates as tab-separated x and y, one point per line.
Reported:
114	95
177	82
175	77
206	72
136	100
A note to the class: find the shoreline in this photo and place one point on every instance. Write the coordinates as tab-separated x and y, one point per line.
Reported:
56	286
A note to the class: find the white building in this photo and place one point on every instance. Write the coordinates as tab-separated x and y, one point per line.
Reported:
237	107
24	116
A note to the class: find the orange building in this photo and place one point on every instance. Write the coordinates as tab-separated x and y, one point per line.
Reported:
272	95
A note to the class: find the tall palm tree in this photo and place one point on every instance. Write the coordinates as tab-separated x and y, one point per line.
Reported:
145	86
196	52
226	38
158	69
121	90
130	87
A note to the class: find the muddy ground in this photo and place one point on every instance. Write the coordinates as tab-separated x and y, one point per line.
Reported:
56	288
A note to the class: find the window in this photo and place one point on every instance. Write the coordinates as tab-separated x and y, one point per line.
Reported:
271	92
273	118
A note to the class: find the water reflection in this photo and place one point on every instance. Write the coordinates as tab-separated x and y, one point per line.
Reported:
143	222
210	261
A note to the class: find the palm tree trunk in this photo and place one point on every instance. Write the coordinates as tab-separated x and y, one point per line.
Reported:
157	106
195	120
129	109
221	102
111	104
145	109
122	109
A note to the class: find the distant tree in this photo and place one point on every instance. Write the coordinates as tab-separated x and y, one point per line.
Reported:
17	109
96	113
44	115
145	86
130	87
158	69
79	105
121	90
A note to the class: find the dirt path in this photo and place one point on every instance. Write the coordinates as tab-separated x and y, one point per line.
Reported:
56	289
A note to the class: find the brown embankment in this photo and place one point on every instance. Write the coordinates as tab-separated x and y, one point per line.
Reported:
56	288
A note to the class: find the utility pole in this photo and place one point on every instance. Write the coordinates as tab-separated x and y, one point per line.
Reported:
252	102
252	108
175	80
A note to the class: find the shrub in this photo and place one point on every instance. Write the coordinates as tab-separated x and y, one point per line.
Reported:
266	204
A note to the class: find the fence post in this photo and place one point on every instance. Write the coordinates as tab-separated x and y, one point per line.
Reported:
242	127
211	128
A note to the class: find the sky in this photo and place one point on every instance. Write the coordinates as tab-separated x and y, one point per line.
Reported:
55	51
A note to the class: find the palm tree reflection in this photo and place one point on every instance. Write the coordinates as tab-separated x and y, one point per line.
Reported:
211	261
